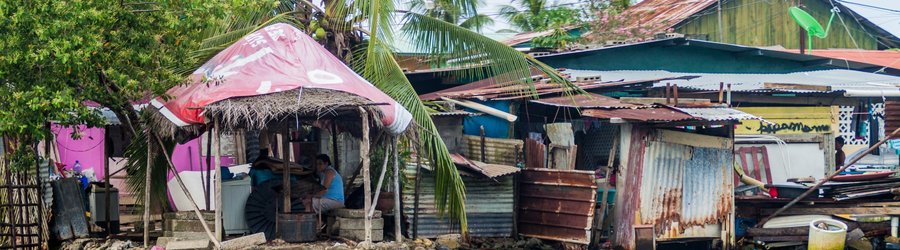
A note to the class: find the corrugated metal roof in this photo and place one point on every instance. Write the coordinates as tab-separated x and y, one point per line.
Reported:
589	100
718	114
663	114
659	15
454	113
491	171
849	82
884	58
882	13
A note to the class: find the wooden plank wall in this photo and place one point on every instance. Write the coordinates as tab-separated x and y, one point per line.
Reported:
767	23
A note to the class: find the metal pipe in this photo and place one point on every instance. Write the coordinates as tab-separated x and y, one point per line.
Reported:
816	187
668	90
675	93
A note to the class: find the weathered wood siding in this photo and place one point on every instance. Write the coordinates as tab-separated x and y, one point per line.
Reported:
767	23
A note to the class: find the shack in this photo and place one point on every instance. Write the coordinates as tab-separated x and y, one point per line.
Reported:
258	93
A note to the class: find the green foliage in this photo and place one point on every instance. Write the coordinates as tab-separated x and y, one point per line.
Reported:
533	15
461	12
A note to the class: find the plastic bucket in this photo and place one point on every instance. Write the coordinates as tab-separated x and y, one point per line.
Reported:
827	239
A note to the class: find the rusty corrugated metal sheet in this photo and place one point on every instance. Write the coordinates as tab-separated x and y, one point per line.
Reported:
630	181
589	100
489	206
497	151
684	186
684	191
486	170
557	204
659	15
891	116
662	114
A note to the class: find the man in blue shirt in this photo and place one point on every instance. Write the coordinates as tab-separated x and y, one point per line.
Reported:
333	195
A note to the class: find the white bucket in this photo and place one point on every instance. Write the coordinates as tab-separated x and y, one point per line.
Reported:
833	238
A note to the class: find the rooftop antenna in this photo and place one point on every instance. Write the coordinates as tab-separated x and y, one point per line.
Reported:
812	27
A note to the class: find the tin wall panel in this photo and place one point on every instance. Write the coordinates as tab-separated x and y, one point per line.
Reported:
557	204
496	150
683	190
489	206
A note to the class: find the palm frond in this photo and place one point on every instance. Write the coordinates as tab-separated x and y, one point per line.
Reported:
136	166
381	69
482	55
477	22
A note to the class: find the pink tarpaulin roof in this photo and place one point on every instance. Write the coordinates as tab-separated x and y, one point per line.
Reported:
276	58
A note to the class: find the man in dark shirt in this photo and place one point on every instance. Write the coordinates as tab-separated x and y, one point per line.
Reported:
839	156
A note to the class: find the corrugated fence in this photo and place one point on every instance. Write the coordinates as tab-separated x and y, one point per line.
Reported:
496	151
489	206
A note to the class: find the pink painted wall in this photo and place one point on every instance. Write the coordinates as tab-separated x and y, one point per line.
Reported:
88	150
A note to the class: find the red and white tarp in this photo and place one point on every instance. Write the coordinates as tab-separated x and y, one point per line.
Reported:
276	58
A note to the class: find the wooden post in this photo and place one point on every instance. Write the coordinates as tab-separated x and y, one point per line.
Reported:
334	147
209	232
675	93
721	90
397	209
367	182
668	89
206	192
106	147
286	170
148	173
603	204
218	158
482	144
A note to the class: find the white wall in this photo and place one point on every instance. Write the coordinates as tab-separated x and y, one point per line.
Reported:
797	160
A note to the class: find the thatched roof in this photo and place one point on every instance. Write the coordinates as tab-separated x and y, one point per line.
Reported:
277	110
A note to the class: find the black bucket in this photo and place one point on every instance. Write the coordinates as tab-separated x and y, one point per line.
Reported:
298	227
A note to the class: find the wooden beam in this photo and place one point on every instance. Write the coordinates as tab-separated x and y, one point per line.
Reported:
367	182
796	86
217	153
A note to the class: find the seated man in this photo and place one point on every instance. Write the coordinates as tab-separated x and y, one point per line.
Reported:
333	195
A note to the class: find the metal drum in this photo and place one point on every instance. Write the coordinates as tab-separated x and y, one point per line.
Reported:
297	227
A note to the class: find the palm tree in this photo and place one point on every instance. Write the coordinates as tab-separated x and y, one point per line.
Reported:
536	15
448	11
360	32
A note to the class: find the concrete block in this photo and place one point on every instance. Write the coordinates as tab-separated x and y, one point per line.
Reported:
347	223
360	235
451	241
191	235
189	245
354	213
188	215
187	226
245	242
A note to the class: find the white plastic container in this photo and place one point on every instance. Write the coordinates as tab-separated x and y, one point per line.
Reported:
833	238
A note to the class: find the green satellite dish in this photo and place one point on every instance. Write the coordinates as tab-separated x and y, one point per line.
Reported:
809	23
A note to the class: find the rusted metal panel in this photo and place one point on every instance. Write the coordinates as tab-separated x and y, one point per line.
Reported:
557	204
682	189
497	151
486	170
589	100
663	114
659	15
489	206
891	116
685	186
630	182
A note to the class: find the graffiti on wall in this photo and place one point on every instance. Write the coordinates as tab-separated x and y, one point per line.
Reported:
787	120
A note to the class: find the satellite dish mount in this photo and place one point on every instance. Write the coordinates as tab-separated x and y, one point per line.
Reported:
812	27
